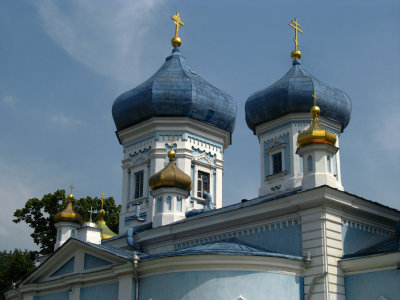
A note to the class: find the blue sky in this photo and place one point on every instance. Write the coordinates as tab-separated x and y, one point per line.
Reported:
63	63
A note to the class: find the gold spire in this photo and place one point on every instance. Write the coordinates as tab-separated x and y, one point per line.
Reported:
68	214
315	133
176	40
296	54
171	175
106	232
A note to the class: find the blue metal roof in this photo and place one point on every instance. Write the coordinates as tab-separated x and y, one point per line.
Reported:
387	246
223	248
293	94
175	90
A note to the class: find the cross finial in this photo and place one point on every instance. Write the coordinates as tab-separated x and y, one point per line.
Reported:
296	54
102	198
176	41
91	212
171	138
315	99
71	187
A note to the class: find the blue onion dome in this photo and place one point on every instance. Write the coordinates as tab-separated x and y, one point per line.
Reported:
175	90
293	94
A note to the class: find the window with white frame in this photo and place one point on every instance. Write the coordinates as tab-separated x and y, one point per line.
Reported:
138	184
203	183
276	163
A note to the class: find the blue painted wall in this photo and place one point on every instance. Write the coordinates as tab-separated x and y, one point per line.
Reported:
56	296
355	238
373	285
220	285
94	262
67	268
100	292
285	238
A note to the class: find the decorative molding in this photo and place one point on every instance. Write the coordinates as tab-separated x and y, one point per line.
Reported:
356	225
197	140
278	225
138	144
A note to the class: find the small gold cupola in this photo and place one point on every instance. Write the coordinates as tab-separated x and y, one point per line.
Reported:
68	214
315	133
106	232
171	176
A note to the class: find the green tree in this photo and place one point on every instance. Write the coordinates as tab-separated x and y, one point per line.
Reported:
39	215
14	265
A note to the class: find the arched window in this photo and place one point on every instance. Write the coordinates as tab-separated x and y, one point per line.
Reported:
73	233
169	203
179	204
309	164
159	204
328	160
59	235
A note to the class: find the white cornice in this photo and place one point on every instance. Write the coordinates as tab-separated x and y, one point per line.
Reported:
371	263
213	262
179	124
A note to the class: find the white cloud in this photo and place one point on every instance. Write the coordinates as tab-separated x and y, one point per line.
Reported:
104	35
10	100
65	121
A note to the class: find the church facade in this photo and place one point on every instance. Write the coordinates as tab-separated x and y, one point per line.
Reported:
303	237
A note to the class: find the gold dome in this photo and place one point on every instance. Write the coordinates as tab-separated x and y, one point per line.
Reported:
106	232
315	133
68	214
170	176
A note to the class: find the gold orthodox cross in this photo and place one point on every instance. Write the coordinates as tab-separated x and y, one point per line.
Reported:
171	138
296	27
178	22
71	187
102	198
315	99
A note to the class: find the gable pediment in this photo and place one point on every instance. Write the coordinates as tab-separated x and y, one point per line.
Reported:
75	257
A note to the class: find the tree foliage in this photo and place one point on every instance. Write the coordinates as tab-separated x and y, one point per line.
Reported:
14	265
39	215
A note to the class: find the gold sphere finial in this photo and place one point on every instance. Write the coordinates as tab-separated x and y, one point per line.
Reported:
296	54
70	197
315	110
102	213
176	40
171	155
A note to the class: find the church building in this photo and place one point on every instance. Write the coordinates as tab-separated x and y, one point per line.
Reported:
303	238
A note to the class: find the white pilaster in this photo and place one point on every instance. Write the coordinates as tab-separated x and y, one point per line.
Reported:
322	240
74	293
125	287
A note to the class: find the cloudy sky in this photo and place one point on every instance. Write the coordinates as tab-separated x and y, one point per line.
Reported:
62	64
